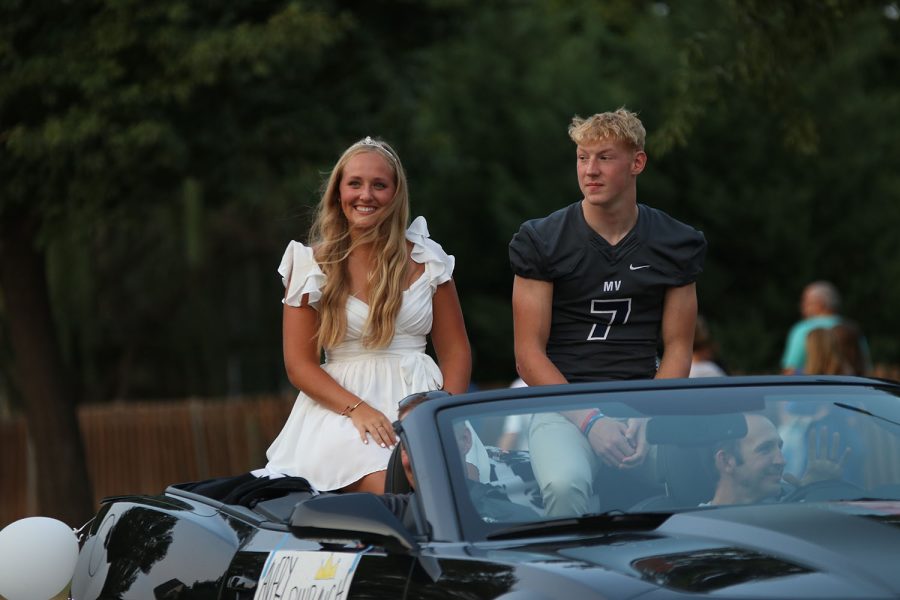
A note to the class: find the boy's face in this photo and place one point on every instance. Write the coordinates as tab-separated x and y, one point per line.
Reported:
607	169
758	470
463	437
464	444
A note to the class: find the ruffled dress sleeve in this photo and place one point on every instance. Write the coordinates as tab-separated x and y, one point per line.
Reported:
438	264
300	274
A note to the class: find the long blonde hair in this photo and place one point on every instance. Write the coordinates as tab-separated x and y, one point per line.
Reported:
329	235
822	354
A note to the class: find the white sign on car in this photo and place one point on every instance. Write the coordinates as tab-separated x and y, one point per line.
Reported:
301	575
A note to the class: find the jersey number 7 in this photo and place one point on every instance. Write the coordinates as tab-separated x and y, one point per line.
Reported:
611	312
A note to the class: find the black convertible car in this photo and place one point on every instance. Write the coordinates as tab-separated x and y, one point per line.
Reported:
750	487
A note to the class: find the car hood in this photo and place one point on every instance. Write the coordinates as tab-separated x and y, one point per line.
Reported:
837	550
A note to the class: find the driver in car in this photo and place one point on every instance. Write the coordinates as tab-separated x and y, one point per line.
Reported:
751	469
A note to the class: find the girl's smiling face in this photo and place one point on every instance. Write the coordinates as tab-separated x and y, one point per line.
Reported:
367	188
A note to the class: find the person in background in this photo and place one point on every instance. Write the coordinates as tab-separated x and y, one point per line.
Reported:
839	351
852	347
597	284
823	355
819	305
366	291
703	359
794	421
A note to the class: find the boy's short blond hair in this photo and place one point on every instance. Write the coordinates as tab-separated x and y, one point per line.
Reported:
622	125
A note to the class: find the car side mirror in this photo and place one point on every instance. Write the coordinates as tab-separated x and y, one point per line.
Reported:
356	516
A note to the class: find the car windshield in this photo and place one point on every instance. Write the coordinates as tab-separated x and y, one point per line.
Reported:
524	459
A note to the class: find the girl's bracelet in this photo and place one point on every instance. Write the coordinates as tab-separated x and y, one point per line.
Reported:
346	412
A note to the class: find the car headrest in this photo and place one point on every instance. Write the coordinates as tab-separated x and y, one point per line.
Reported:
696	430
688	473
685	452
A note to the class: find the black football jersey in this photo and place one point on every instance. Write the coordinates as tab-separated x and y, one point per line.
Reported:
607	300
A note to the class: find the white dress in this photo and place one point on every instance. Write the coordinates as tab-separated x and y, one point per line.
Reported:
321	445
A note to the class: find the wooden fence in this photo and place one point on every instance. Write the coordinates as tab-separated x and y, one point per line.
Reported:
141	447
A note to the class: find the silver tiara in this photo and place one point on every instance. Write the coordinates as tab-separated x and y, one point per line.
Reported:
368	141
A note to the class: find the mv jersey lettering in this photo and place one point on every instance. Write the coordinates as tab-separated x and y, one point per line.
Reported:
607	300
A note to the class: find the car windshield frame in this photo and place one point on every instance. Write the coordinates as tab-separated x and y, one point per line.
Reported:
688	398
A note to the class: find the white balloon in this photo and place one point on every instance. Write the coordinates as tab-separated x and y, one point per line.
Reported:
37	558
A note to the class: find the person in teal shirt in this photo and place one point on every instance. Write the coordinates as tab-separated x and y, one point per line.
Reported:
819	306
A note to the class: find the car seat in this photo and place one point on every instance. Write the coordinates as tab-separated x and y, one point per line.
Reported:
395	481
687	474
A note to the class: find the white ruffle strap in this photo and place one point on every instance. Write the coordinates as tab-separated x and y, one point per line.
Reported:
300	274
438	264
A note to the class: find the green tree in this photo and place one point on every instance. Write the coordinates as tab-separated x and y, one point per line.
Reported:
157	158
738	98
783	165
112	113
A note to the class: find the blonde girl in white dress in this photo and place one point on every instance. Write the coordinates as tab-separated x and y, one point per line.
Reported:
367	291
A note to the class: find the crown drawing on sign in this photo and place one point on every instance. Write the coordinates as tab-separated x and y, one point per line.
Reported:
327	571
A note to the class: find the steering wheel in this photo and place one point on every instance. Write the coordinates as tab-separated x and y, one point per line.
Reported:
829	489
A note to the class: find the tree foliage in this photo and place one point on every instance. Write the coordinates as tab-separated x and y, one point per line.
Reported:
130	132
159	157
168	151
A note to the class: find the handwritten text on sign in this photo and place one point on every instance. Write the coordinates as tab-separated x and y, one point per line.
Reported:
301	575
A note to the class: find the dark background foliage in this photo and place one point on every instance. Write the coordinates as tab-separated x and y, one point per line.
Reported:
156	158
167	152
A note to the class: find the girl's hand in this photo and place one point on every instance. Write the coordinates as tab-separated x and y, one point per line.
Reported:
371	422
